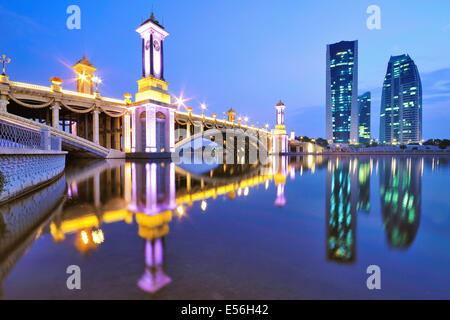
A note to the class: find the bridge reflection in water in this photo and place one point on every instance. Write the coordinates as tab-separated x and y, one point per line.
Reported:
92	194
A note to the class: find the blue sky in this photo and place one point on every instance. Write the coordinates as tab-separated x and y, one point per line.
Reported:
241	54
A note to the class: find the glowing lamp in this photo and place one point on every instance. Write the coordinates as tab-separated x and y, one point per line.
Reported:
180	210
203	205
56	81
127	97
82	76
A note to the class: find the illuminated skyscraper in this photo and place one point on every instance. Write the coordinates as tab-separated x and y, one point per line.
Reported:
364	118
401	102
342	92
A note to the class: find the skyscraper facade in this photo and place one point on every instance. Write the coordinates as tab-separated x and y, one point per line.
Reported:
342	92
401	102
364	118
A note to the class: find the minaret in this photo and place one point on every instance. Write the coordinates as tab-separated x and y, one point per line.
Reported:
152	85
85	71
280	137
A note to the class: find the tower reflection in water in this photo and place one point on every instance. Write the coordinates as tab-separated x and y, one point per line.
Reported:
400	195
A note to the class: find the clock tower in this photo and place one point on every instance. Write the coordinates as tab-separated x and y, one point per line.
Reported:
152	114
152	85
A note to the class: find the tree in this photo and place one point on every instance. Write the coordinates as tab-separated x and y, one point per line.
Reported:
321	142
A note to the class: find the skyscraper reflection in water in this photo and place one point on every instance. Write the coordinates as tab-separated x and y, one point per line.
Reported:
400	195
341	210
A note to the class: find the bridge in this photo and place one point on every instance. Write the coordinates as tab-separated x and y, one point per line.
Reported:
90	125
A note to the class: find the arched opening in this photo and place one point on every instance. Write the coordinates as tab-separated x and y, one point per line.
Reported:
160	132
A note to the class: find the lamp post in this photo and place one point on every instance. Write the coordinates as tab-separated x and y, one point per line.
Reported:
4	60
97	81
203	106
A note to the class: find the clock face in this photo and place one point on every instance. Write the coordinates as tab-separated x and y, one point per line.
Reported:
147	45
156	45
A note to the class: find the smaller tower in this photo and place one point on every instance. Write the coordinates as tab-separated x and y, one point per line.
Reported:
280	116
279	135
231	115
85	71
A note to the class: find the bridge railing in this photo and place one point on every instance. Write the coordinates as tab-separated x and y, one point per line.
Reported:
55	137
16	136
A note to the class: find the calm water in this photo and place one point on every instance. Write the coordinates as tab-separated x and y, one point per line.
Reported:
304	227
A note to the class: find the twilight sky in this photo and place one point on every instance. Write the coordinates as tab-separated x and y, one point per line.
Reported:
241	54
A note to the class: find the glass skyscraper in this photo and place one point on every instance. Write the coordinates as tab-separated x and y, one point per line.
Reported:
364	118
401	102
342	92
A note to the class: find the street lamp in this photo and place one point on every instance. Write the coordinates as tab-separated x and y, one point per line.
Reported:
97	81
179	101
4	60
203	106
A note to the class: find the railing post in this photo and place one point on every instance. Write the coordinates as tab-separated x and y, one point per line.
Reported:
58	142
45	139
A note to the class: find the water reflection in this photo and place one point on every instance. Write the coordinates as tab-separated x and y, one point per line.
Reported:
150	195
24	220
341	202
400	195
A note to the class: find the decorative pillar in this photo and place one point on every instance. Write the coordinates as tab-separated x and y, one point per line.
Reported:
95	130
170	131
126	134
3	103
133	130
108	132
150	129
117	133
55	115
